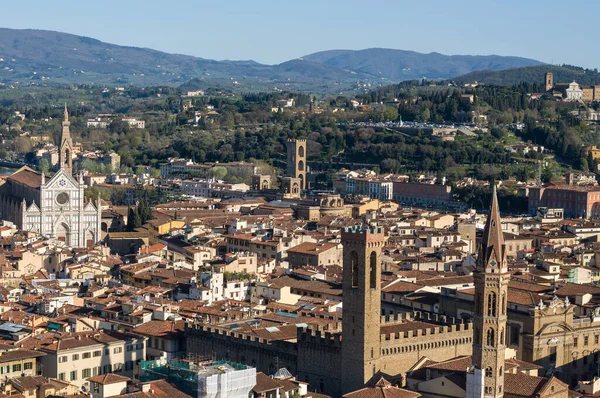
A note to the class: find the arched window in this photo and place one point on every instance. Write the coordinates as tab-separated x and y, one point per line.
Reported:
488	372
500	371
490	337
491	304
503	304
373	270
301	166
301	151
354	267
501	341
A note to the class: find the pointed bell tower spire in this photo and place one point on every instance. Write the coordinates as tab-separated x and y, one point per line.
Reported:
66	144
491	280
492	253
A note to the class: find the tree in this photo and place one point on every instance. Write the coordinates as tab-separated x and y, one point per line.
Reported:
547	175
22	145
155	173
133	220
497	132
391	113
144	211
44	165
218	172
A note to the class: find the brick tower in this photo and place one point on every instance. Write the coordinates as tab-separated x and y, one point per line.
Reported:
296	160
489	321
549	80
361	315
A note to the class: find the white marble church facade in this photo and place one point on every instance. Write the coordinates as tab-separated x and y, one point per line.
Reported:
54	208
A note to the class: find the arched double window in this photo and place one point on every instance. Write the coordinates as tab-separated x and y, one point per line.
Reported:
491	310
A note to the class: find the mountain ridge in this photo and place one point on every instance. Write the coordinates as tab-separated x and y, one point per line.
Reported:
33	56
398	64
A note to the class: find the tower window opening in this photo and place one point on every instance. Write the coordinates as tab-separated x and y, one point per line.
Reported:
354	267
490	337
373	270
491	304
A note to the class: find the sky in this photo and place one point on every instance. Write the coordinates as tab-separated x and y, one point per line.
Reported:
273	31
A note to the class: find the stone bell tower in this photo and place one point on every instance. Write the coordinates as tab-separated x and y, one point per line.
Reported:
489	321
361	314
66	145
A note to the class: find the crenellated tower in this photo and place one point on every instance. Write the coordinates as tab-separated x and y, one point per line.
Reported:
361	314
66	145
296	160
489	322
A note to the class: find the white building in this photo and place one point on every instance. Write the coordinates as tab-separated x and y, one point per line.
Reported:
574	92
98	123
134	123
381	189
207	188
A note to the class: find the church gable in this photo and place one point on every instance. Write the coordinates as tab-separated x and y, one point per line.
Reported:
89	207
62	180
33	208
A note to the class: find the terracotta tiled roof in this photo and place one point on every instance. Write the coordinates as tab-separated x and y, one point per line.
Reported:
108	378
573	289
20	354
311	248
264	383
167	329
523	385
383	389
159	389
27	177
459	364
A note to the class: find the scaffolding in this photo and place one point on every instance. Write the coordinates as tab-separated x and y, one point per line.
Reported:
209	379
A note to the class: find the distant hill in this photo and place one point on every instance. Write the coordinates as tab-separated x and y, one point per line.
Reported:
533	74
398	65
36	56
